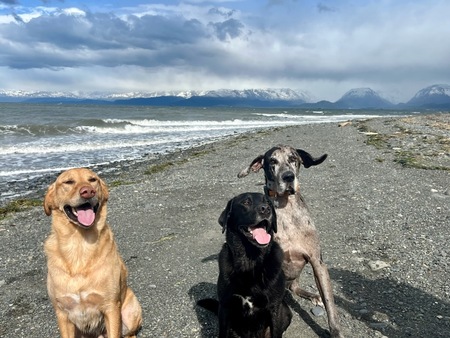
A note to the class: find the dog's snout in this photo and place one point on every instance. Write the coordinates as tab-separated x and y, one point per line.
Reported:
288	177
87	192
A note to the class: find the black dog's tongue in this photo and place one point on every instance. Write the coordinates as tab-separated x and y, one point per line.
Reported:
260	235
85	214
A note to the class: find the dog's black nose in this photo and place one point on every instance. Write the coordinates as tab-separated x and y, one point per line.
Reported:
288	177
264	209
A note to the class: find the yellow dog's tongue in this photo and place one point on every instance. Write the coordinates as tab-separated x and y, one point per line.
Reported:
261	236
85	215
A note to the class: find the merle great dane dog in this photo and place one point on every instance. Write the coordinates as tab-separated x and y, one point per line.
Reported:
296	233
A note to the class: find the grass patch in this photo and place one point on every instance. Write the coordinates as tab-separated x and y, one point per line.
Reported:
157	168
362	127
409	160
118	183
378	141
373	138
18	205
200	153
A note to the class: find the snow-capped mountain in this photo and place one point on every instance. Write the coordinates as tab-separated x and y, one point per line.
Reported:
269	94
362	98
28	94
284	94
434	96
132	95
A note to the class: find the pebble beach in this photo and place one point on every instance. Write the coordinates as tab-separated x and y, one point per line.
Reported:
381	202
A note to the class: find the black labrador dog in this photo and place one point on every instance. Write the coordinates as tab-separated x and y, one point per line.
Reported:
251	283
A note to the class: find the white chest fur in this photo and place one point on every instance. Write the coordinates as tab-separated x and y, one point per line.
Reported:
84	310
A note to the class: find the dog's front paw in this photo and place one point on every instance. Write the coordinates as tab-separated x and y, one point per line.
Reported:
336	333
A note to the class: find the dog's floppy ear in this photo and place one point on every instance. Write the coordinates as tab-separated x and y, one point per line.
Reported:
49	200
223	218
308	160
104	189
256	164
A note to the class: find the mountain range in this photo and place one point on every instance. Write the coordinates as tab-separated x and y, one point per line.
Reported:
432	97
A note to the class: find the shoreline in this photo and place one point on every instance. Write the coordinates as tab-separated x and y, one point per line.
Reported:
126	171
112	172
139	138
121	171
371	209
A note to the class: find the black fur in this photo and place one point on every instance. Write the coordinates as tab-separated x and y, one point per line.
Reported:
251	283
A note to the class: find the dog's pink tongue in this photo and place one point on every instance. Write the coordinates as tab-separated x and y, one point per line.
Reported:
86	216
261	236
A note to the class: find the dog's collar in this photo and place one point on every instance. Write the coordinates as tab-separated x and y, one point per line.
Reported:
269	192
273	194
279	201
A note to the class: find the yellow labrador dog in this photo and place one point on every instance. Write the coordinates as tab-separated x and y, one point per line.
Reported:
87	279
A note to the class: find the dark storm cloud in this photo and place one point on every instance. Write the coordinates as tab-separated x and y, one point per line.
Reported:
231	28
104	39
156	31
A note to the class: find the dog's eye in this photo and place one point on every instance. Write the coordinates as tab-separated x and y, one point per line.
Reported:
92	179
247	202
292	159
69	182
273	161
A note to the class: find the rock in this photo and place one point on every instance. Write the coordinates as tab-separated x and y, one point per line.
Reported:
318	311
378	326
378	265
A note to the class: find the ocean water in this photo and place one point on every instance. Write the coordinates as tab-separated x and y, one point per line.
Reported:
38	139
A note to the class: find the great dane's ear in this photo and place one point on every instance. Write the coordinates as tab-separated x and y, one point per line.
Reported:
255	166
308	160
225	215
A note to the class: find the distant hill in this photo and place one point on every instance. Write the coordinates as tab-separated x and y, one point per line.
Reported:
362	98
435	96
432	97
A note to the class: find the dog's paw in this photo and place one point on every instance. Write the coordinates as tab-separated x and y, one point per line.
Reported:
336	333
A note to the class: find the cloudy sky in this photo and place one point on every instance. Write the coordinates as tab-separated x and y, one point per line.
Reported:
324	47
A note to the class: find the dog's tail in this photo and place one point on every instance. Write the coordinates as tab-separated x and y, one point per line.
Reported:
209	304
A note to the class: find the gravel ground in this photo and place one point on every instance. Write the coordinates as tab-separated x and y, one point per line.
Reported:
381	203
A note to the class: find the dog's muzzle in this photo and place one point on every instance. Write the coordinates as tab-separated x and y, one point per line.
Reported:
83	215
259	232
